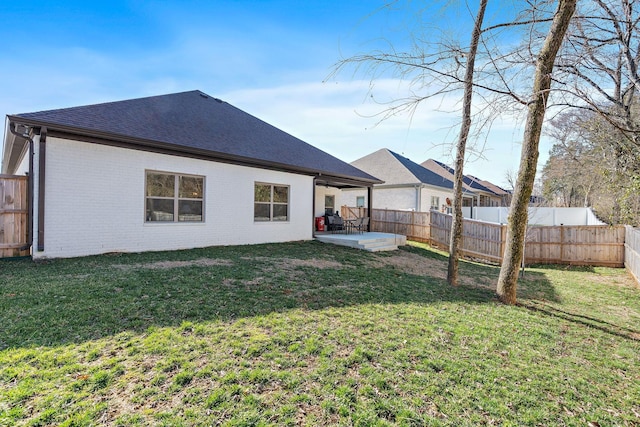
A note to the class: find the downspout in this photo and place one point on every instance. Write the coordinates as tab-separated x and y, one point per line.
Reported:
41	186
12	129
313	207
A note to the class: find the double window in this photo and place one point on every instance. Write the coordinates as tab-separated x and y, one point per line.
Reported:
435	203
271	202
174	198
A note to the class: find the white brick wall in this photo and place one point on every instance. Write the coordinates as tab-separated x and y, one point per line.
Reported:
95	203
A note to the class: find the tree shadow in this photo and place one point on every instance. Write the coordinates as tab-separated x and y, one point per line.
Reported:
589	321
75	300
531	284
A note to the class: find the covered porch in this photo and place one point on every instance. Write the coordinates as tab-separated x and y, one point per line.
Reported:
328	200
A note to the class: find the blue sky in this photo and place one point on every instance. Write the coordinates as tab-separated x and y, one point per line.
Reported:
270	58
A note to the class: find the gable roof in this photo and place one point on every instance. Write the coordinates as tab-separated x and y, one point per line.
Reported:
396	169
424	175
495	188
469	183
195	124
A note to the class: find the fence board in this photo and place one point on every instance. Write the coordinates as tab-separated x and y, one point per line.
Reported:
598	245
414	225
14	216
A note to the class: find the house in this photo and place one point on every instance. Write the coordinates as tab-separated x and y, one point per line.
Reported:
407	185
484	196
504	195
167	172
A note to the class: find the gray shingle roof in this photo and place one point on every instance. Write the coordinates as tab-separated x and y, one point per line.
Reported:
195	123
423	174
474	184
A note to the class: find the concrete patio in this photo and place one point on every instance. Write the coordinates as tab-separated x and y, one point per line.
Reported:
370	241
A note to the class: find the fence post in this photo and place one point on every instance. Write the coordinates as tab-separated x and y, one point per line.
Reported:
503	241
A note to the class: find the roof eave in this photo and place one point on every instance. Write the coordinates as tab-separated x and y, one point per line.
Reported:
55	129
13	151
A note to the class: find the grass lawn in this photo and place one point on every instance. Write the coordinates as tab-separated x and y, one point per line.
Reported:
313	334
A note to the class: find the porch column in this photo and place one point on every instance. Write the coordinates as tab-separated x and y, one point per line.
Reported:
369	205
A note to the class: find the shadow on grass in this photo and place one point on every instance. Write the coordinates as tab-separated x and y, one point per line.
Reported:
73	300
592	322
531	285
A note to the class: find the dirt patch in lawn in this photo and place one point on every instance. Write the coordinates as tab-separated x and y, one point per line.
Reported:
292	263
410	263
163	265
414	264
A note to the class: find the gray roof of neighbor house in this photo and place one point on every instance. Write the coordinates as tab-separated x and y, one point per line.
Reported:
472	183
423	174
396	169
194	124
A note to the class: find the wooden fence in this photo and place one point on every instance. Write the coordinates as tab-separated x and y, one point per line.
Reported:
14	216
632	251
597	245
480	240
414	225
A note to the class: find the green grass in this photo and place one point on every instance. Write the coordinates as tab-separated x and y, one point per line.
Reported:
313	334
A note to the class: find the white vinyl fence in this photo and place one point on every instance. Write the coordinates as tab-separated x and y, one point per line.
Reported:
537	215
632	251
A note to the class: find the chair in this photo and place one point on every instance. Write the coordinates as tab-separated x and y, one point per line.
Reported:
334	223
361	224
338	223
354	224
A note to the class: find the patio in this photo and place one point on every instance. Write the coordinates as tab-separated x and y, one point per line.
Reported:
368	241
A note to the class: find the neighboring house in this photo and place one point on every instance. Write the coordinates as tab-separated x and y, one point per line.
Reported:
484	196
407	185
504	195
167	172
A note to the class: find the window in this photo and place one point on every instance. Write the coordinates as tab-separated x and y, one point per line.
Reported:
329	204
435	202
271	202
360	202
174	198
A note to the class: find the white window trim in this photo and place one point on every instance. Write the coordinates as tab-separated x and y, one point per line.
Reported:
176	198
272	203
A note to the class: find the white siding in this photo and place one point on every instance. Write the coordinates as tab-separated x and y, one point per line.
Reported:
349	197
398	198
404	198
23	167
95	203
428	192
321	192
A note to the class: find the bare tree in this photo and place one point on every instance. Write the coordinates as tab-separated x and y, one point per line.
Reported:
499	77
456	223
585	167
517	222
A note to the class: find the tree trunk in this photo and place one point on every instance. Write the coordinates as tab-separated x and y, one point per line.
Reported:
456	222
517	222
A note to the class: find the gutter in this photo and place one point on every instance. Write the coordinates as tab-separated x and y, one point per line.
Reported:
13	130
118	140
